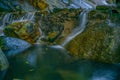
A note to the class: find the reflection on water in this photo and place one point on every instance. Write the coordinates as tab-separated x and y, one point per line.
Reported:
54	63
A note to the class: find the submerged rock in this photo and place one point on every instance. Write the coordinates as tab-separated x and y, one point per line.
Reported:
25	30
98	42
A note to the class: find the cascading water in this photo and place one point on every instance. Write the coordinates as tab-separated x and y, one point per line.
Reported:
5	19
86	6
11	18
82	20
79	29
28	16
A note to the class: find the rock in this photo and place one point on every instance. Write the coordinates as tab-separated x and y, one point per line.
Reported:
118	3
12	46
42	5
102	7
23	30
8	6
59	23
99	42
3	61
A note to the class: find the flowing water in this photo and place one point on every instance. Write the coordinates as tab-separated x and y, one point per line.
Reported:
83	18
10	18
79	29
55	63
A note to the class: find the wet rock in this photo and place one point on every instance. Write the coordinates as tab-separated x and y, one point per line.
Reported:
98	42
42	5
25	30
11	46
102	7
8	6
59	23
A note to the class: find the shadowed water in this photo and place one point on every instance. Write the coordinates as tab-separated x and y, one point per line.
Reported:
54	63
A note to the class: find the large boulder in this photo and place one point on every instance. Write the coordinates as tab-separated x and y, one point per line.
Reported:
100	41
11	46
24	30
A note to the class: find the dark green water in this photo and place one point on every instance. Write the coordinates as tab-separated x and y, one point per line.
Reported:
54	63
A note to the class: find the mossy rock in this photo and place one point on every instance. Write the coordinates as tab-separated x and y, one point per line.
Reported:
98	15
59	23
39	4
102	7
99	42
24	30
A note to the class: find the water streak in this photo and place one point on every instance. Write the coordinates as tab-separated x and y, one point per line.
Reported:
82	4
28	16
82	24
6	19
10	18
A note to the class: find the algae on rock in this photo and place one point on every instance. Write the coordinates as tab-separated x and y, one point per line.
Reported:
98	42
55	24
24	30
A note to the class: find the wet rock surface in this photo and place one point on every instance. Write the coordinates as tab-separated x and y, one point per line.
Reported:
24	30
11	46
98	42
59	23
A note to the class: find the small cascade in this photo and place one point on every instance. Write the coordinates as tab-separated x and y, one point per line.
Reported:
6	19
28	16
11	18
82	4
79	29
86	6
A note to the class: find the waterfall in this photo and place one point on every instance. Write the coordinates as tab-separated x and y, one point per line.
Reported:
79	29
28	16
10	18
86	6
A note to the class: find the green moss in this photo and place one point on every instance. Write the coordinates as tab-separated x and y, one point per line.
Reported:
102	7
24	30
54	23
97	42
